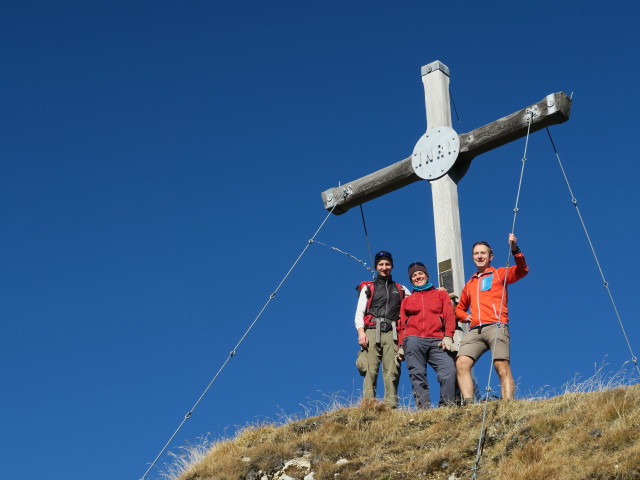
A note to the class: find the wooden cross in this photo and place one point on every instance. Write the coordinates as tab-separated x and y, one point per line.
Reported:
553	109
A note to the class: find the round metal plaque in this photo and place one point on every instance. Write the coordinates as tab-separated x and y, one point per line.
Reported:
435	153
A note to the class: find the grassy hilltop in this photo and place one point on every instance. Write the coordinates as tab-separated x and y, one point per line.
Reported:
593	435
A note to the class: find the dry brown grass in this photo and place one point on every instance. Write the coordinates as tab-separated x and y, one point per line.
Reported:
576	436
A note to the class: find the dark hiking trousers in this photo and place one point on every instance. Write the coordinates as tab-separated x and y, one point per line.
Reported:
418	352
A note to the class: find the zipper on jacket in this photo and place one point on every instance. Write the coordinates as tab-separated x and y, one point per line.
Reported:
386	303
478	301
423	310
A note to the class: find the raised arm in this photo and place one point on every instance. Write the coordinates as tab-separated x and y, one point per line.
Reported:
520	269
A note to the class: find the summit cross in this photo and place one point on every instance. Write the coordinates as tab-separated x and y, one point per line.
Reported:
553	109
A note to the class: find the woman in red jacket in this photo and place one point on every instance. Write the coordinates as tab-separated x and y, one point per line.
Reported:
425	331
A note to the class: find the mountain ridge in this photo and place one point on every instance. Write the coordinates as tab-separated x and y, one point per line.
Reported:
575	436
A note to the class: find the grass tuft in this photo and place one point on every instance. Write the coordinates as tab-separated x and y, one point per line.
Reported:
186	459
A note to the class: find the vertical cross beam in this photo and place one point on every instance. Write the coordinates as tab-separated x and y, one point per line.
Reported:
444	190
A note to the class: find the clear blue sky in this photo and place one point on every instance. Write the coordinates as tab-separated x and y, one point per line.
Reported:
162	164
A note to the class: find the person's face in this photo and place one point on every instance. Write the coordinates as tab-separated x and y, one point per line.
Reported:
419	278
384	267
481	257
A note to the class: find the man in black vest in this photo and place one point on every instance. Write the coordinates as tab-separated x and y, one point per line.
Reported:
376	315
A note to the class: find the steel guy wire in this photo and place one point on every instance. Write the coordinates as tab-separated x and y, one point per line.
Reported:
574	201
504	289
454	105
347	254
233	352
366	236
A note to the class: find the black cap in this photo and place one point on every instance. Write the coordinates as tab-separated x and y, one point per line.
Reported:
382	254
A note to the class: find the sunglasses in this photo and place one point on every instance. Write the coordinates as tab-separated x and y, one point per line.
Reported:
383	254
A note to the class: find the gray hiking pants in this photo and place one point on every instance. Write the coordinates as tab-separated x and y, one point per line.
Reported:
418	352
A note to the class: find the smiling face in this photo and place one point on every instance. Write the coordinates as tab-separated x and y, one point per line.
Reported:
482	257
419	278
383	267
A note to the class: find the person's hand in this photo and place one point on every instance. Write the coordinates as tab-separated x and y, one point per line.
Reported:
362	339
446	343
515	249
399	356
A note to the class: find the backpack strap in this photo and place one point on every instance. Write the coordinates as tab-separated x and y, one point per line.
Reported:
369	293
400	291
369	286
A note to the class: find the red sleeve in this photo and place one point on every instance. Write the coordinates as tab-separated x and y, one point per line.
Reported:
519	270
402	321
463	305
449	316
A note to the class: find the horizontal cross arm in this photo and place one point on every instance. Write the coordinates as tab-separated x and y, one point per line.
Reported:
551	110
372	186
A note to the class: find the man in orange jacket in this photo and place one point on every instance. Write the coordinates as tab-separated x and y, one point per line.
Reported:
483	304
